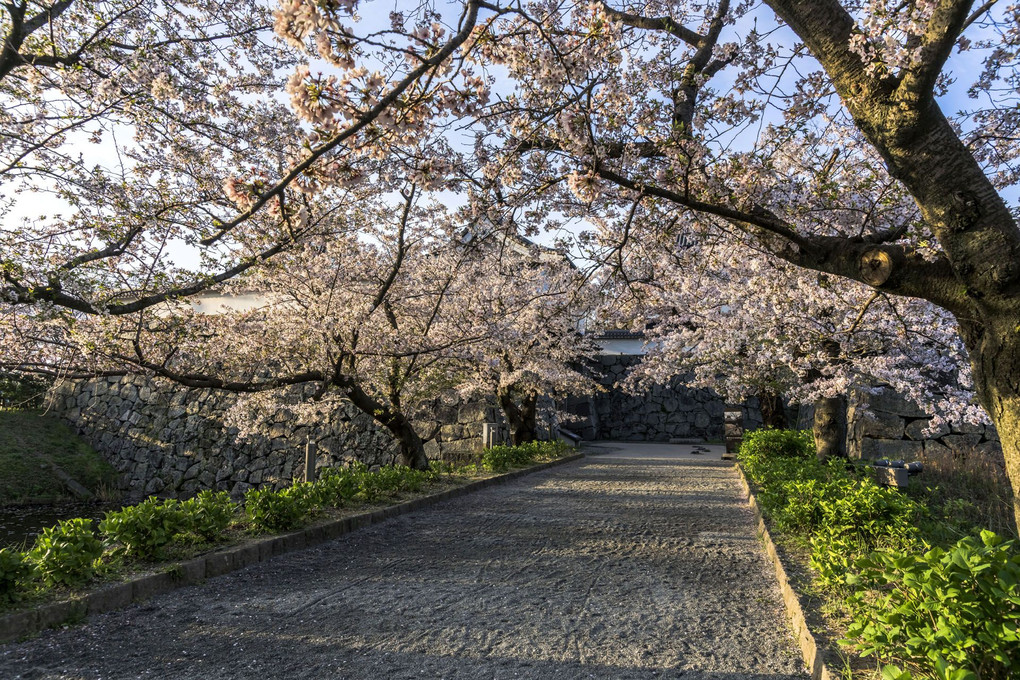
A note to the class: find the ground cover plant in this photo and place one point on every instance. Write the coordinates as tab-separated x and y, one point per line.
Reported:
502	458
66	554
70	554
920	589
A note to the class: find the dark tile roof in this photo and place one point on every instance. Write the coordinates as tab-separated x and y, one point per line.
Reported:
618	334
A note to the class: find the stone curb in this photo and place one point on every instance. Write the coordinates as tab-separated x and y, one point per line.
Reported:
810	650
196	570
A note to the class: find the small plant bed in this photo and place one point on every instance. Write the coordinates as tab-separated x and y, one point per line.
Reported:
79	556
909	584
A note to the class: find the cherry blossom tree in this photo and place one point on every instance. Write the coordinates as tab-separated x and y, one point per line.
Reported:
531	304
811	130
389	310
820	337
358	314
119	123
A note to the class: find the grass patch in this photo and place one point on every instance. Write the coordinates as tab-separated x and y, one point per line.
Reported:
31	443
503	458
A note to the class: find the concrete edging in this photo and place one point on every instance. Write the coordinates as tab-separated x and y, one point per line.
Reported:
810	650
234	558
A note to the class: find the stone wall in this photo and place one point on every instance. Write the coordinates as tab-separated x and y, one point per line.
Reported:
884	425
168	440
664	412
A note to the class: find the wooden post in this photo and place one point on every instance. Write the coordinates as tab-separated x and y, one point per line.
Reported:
311	453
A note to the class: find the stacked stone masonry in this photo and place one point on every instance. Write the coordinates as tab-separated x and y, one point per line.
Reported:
663	412
882	424
172	441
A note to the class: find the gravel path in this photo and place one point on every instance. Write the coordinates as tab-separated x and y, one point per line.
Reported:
628	564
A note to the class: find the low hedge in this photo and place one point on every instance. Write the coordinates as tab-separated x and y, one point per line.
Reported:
503	458
950	612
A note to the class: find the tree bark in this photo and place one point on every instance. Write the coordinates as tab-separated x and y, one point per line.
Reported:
523	418
773	410
412	448
830	428
995	358
973	224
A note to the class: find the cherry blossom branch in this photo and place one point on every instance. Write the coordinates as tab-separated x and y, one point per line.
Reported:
664	24
758	217
467	24
17	292
699	65
21	29
978	12
944	27
204	380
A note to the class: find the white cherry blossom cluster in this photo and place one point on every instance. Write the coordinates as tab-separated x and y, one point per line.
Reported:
889	32
296	20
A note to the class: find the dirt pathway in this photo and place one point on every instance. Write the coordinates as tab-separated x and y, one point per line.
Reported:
622	565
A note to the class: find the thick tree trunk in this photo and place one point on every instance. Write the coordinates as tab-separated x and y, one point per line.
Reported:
412	449
830	428
773	411
1007	422
522	418
995	362
978	233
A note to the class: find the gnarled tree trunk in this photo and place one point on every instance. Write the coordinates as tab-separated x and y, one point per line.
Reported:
977	277
995	360
412	449
829	427
773	410
522	418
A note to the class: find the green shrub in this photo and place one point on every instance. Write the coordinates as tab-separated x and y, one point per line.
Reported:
554	449
778	443
15	570
798	508
336	488
209	513
439	467
371	488
771	458
145	529
67	553
502	458
385	482
951	614
778	477
843	516
273	511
